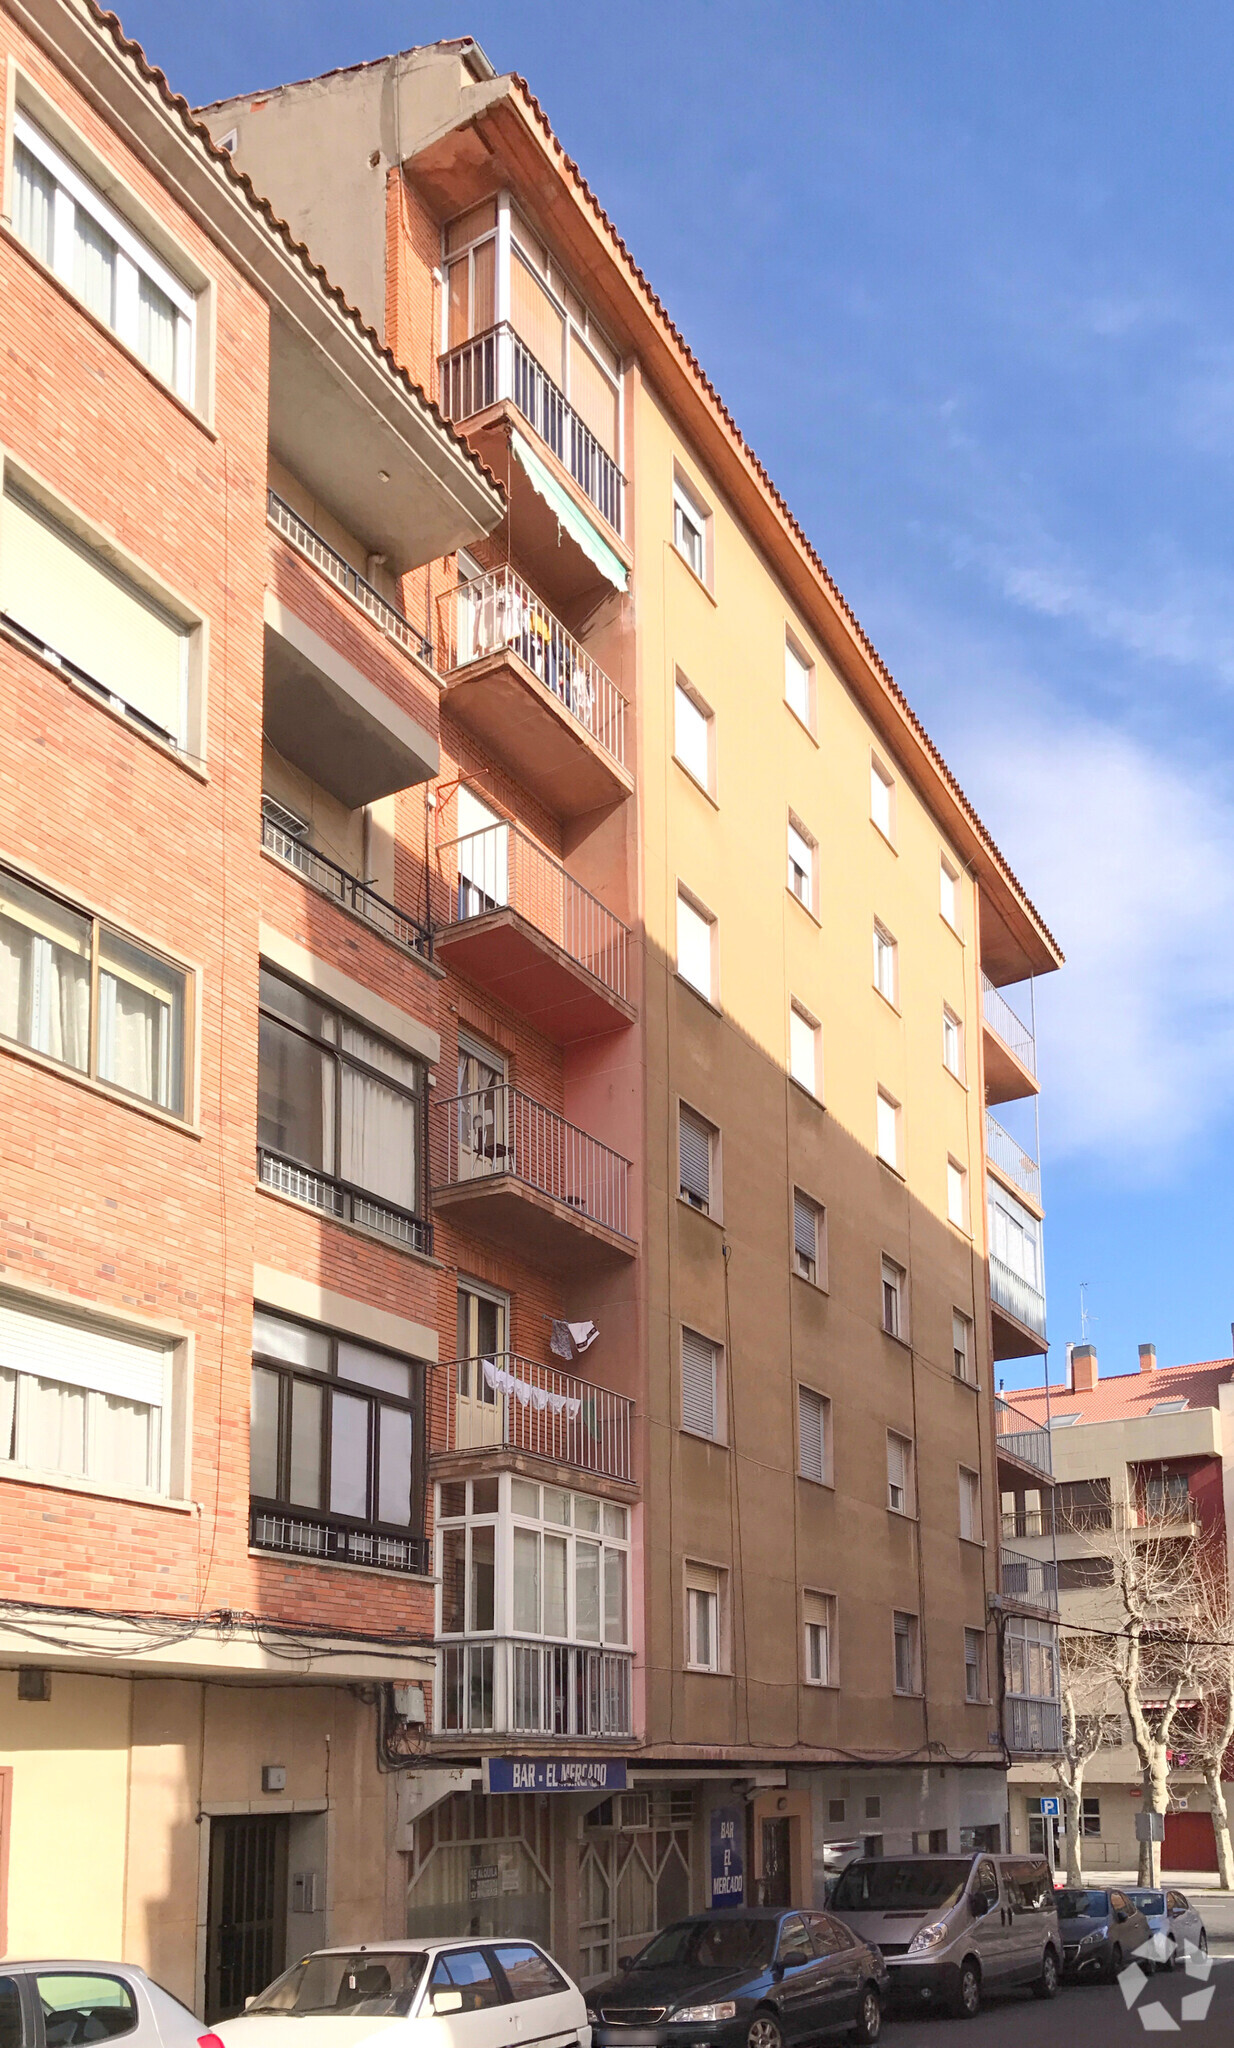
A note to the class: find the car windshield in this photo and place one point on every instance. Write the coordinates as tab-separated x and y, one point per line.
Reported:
1082	1905
886	1886
380	1982
1148	1902
735	1944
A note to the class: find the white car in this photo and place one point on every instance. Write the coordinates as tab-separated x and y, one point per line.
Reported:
61	2003
417	1994
1174	1924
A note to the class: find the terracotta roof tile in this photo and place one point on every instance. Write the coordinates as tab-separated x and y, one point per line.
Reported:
1129	1394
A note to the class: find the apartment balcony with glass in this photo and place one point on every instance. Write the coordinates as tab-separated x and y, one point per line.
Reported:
1017	1285
518	1174
1032	1724
1010	1048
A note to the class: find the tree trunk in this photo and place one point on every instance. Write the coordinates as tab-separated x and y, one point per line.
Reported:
1156	1799
1221	1823
1073	1808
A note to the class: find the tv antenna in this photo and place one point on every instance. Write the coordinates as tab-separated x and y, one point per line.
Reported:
1085	1318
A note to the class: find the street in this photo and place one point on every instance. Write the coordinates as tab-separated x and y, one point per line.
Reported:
1095	2015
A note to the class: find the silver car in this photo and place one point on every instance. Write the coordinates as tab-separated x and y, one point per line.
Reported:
1174	1924
69	2004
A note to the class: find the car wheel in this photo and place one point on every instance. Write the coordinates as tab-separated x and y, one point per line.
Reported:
1202	1943
1046	1985
966	1999
764	2032
869	2016
1114	1967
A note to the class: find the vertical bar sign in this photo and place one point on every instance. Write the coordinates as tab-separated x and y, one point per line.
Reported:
727	1860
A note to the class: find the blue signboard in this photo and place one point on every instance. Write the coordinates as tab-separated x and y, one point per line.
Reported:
1051	1809
728	1827
554	1774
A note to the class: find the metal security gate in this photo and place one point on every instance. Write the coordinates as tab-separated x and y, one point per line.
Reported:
246	1934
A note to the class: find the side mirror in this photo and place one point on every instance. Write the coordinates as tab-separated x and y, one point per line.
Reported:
250	2000
625	1962
1119	1915
447	2001
777	1971
983	1903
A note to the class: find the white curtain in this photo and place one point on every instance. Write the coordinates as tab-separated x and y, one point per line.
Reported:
44	990
156	330
378	1147
33	202
121	1447
55	1432
94	266
140	1007
8	1414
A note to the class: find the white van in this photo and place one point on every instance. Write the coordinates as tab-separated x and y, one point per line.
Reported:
951	1926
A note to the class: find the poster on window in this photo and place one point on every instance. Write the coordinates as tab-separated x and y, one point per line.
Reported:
727	1863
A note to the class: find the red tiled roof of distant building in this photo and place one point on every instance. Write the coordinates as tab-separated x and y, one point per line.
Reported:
1124	1396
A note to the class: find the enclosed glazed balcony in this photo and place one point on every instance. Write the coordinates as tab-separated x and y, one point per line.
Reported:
1032	1723
1010	1048
525	687
1019	1312
533	1688
526	931
515	1172
507	1403
1030	1581
1020	1440
1011	1161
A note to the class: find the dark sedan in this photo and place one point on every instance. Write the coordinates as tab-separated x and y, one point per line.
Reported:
733	1979
1102	1931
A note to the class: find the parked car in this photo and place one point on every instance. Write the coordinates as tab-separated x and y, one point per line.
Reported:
743	1979
414	1994
85	2002
952	1927
1102	1931
1174	1924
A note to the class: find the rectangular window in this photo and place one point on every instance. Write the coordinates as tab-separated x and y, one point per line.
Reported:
1090	1817
695	946
66	222
803	1048
80	1401
87	617
820	1625
802	860
696	1145
705	1592
888	1129
886	965
953	1043
76	990
690	524
882	799
949	891
809	1222
814	1436
957	1194
693	729
482	1318
974	1664
568	1556
895	1321
904	1629
1015	1236
970	1505
700	1387
900	1473
799	684
962	1347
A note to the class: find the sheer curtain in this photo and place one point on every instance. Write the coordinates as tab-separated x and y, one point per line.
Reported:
379	1125
94	266
120	1453
140	1031
44	976
156	330
55	1432
33	202
8	1415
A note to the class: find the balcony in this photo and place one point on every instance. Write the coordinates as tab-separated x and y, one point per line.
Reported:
516	1173
330	1196
338	569
351	895
1033	1727
1020	1439
1019	1313
532	936
1024	1523
1010	1048
1011	1162
1030	1581
512	1404
524	686
533	1688
331	1539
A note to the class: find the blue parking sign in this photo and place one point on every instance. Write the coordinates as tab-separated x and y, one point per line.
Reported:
1051	1809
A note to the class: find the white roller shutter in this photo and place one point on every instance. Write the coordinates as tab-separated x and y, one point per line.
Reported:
82	1355
812	1430
694	1137
698	1384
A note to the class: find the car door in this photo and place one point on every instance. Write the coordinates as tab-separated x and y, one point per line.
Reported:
991	1932
546	2006
16	2011
1029	1893
1182	1921
484	2014
840	1959
1128	1927
799	1975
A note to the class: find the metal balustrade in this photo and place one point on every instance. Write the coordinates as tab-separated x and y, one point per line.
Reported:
343	1201
1011	1159
344	889
301	1532
1016	1035
498	365
533	1688
500	1131
501	868
339	570
1062	1521
499	610
504	1401
1028	1578
1020	1437
1010	1292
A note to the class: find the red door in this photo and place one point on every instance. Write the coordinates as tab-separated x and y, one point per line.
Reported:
1189	1842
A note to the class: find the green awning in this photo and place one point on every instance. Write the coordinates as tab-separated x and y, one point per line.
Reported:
576	523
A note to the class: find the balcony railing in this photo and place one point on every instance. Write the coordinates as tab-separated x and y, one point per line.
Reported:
1076	1521
500	1131
338	1198
511	1403
498	610
1003	1021
339	570
498	365
531	1688
1033	1727
1028	1578
299	1532
344	889
500	868
1021	1300
1011	1159
1018	1436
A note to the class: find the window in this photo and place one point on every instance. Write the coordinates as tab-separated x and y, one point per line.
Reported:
802	862
1090	1817
809	1225
894	1319
482	1321
693	735
949	892
700	1385
1015	1236
570	1565
962	1347
888	1129
953	1043
905	1636
882	799
803	1047
837	1810
899	1473
873	1806
695	945
78	2001
84	1402
957	1194
467	1972
690	523
820	1625
970	1505
528	1973
814	1436
1030	1649
697	1145
799	683
705	1591
886	965
336	1448
1075	1574
81	993
90	619
66	222
974	1664
337	1100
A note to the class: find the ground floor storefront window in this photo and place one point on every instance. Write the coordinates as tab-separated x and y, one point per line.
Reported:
482	1865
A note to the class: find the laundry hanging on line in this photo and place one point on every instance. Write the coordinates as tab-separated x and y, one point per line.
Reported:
539	1398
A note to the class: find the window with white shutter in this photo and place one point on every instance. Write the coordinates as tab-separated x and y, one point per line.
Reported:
957	1194
692	734
700	1406
887	1128
894	1319
694	946
802	853
695	1143
803	1038
807	1237
899	1473
820	1626
706	1589
953	1043
949	892
886	965
970	1505
962	1345
82	1401
799	684
813	1429
882	799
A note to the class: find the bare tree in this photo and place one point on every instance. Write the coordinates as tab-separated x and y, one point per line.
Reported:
1210	1727
1086	1673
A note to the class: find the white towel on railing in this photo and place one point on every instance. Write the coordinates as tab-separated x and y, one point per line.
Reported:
505	1382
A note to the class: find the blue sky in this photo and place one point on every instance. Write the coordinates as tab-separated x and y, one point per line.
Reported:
961	272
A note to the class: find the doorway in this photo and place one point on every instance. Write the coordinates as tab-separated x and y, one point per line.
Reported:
246	1926
776	1883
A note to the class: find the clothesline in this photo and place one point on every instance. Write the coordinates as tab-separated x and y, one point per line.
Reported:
539	1398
